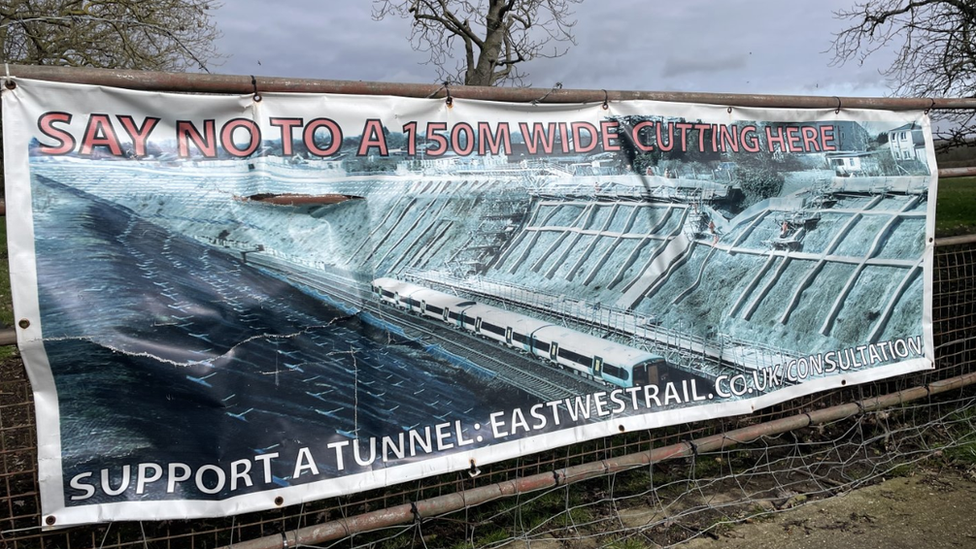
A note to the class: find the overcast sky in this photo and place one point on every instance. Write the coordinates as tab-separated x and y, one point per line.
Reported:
735	46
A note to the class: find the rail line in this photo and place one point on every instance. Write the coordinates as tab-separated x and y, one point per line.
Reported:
515	369
544	382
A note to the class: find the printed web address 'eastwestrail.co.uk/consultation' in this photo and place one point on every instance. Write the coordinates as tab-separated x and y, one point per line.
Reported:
348	456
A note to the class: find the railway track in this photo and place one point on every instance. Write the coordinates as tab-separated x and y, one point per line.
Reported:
521	371
542	381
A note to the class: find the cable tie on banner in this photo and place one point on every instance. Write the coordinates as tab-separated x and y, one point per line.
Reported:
694	447
556	86
730	110
435	92
606	100
415	511
447	90
10	84
932	106
254	85
837	111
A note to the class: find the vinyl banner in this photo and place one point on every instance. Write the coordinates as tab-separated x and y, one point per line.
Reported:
233	303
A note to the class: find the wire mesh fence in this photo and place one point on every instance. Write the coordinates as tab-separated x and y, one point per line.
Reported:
655	503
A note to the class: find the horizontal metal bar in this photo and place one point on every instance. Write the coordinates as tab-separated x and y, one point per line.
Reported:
240	84
401	514
949	173
955	240
8	336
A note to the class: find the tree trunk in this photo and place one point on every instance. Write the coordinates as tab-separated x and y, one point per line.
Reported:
483	72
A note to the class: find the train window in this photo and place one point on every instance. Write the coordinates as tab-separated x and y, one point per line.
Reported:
453	315
571	356
541	345
435	309
388	293
519	338
488	327
610	370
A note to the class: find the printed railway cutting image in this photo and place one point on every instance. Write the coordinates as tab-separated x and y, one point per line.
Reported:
348	312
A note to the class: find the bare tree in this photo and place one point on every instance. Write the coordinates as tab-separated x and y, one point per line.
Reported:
171	35
498	36
935	51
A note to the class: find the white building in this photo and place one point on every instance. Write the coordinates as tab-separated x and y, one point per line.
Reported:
907	143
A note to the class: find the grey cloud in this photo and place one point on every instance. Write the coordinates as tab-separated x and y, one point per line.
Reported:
737	46
702	63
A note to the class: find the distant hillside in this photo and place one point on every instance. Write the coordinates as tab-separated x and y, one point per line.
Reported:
957	157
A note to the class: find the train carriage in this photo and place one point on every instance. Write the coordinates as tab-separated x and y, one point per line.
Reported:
485	321
440	306
512	329
390	290
599	358
588	355
411	297
522	330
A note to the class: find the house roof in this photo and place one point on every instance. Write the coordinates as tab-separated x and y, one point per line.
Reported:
906	127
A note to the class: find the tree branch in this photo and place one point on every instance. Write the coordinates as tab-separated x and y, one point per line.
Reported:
497	35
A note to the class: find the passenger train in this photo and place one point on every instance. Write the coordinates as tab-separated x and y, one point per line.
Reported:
588	355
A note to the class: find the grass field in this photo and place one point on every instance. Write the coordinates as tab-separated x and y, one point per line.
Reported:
955	209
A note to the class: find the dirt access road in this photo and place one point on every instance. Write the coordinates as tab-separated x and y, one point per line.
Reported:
933	509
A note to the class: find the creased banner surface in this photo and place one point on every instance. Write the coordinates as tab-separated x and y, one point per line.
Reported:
224	301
